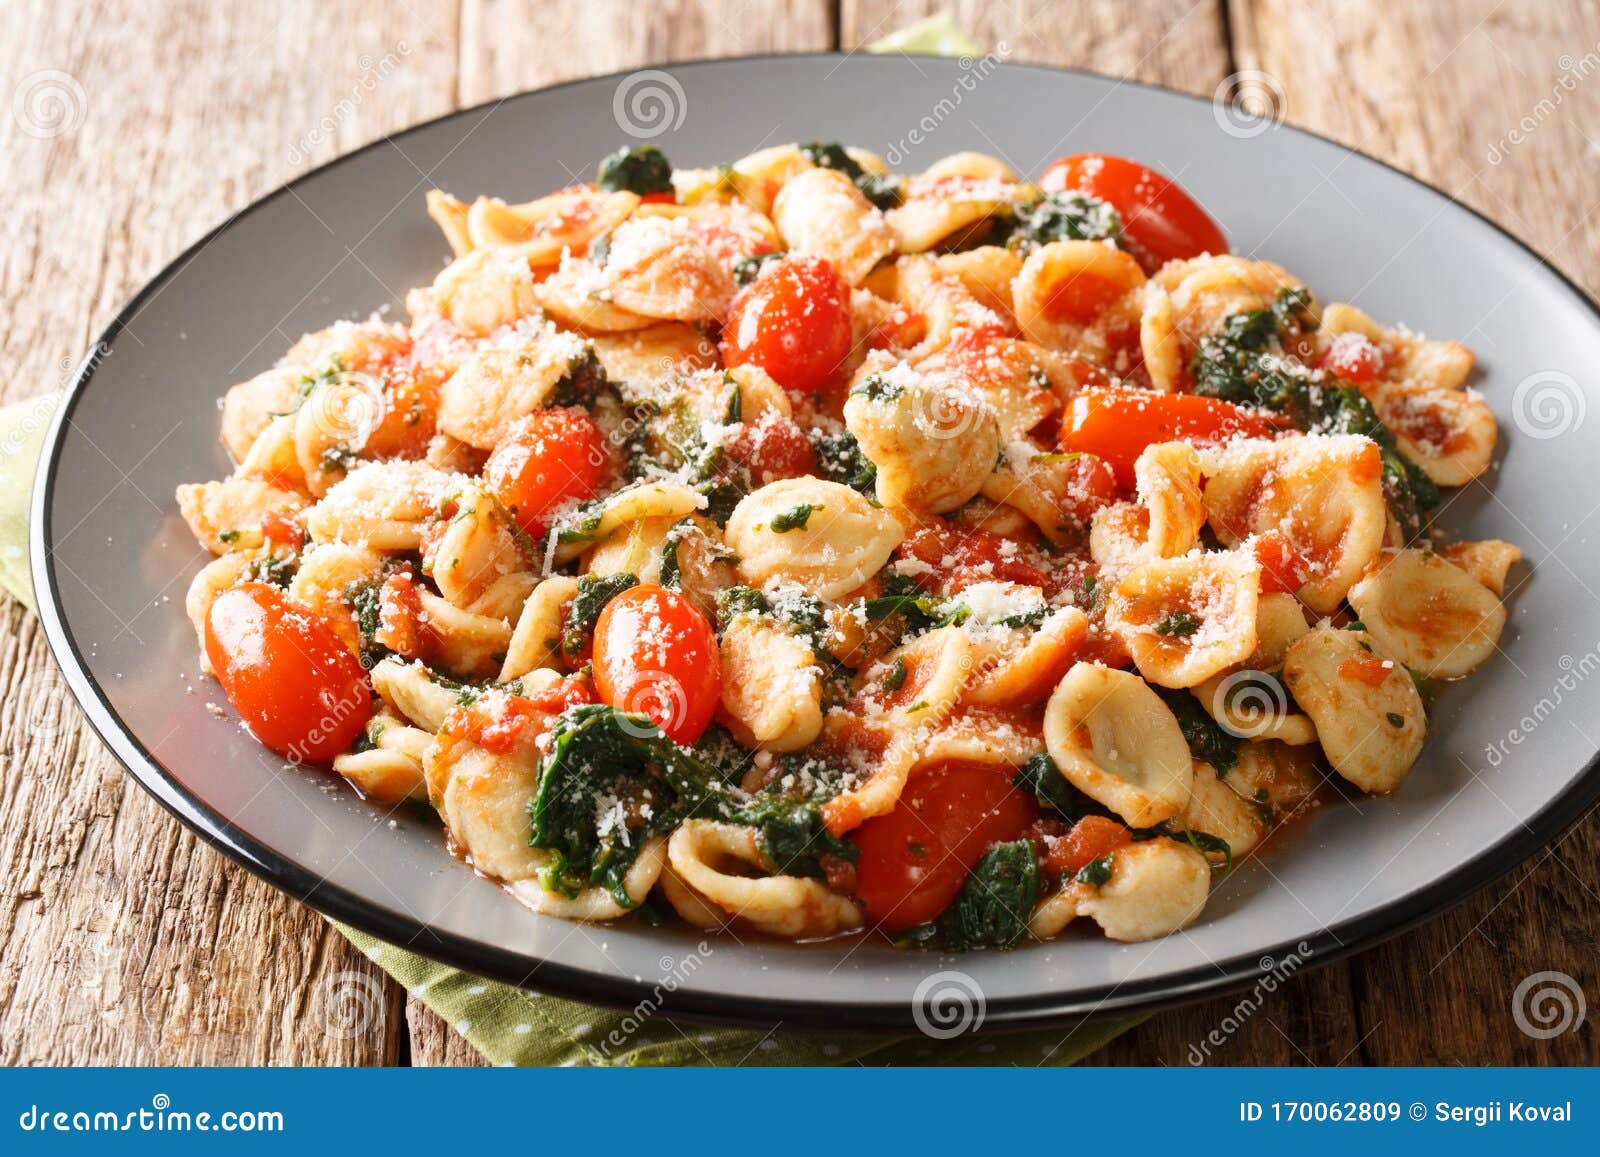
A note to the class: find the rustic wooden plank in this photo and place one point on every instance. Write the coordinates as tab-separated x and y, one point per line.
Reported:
507	47
123	939
504	50
1178	43
1438	89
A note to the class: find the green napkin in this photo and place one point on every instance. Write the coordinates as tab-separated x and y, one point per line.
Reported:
513	1026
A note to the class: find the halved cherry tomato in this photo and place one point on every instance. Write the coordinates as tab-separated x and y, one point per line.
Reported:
915	859
1090	838
1284	569
499	722
1368	669
547	458
771	448
300	690
1162	222
655	655
1091	484
1118	424
1354	357
282	529
961	556
793	321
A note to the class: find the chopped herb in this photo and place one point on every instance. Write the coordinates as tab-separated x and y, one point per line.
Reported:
795	519
229	537
1043	778
1179	624
877	388
1096	872
896	678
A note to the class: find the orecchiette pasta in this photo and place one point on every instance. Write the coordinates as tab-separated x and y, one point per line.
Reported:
816	548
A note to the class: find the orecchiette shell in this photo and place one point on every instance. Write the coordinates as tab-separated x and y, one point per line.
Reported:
771	685
933	442
820	211
845	539
235	504
779	905
1488	561
502	382
1186	619
1370	720
536	641
1117	742
1428	613
1323	493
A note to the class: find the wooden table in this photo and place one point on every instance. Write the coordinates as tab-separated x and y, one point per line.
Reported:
124	940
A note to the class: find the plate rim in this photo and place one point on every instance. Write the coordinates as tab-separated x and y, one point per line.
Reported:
1037	1010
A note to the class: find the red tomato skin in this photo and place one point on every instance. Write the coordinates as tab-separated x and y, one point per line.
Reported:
962	556
300	690
1284	570
547	458
793	321
772	448
656	655
1090	838
1355	358
1116	425
915	859
1162	221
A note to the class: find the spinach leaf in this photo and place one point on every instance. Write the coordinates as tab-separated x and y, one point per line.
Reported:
1096	873
993	906
1043	778
1179	624
641	169
1064	217
1208	740
591	598
609	782
795	519
840	459
747	269
882	190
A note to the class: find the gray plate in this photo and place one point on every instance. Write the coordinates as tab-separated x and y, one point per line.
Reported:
1508	764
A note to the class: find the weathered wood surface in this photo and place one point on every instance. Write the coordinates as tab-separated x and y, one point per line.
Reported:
123	939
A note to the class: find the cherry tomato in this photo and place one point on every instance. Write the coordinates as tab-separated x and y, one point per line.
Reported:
1160	220
1091	484
1354	357
772	448
549	457
282	529
794	322
962	556
1117	425
1367	669
655	655
1090	838
300	690
1284	570
915	859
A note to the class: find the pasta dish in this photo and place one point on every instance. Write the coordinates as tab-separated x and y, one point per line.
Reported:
797	547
